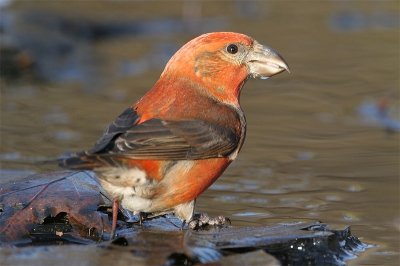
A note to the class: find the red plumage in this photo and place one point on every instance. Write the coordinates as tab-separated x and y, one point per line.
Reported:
160	154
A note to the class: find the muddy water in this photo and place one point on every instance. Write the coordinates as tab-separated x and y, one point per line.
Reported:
322	142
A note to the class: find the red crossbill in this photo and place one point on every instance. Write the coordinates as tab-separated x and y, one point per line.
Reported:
161	153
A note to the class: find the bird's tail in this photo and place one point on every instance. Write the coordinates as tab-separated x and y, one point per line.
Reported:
89	161
78	161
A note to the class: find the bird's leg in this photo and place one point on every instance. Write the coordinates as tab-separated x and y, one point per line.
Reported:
202	219
115	207
142	216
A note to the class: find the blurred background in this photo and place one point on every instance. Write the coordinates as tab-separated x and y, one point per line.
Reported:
322	141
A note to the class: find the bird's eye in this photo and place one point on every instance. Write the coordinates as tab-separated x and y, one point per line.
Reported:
232	48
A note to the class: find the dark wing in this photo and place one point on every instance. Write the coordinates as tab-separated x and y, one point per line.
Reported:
169	140
121	124
156	139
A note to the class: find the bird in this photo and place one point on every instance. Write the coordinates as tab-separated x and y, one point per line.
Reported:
165	150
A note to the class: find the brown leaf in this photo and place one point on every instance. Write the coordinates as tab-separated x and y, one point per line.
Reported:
27	202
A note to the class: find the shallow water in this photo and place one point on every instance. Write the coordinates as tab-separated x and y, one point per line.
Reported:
322	141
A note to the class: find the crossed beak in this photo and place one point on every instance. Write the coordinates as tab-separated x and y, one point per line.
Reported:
265	62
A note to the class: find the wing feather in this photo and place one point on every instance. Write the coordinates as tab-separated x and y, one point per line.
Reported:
159	139
170	140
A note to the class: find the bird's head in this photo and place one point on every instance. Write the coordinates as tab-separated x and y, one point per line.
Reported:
223	61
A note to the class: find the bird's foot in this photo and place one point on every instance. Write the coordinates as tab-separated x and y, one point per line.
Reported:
201	220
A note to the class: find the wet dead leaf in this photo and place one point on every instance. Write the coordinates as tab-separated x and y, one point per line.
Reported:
26	204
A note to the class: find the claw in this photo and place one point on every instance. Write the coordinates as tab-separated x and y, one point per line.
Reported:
227	220
221	220
183	224
202	219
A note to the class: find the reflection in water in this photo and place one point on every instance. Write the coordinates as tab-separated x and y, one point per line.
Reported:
157	58
351	19
62	48
380	114
245	214
57	116
251	9
66	135
10	175
357	21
